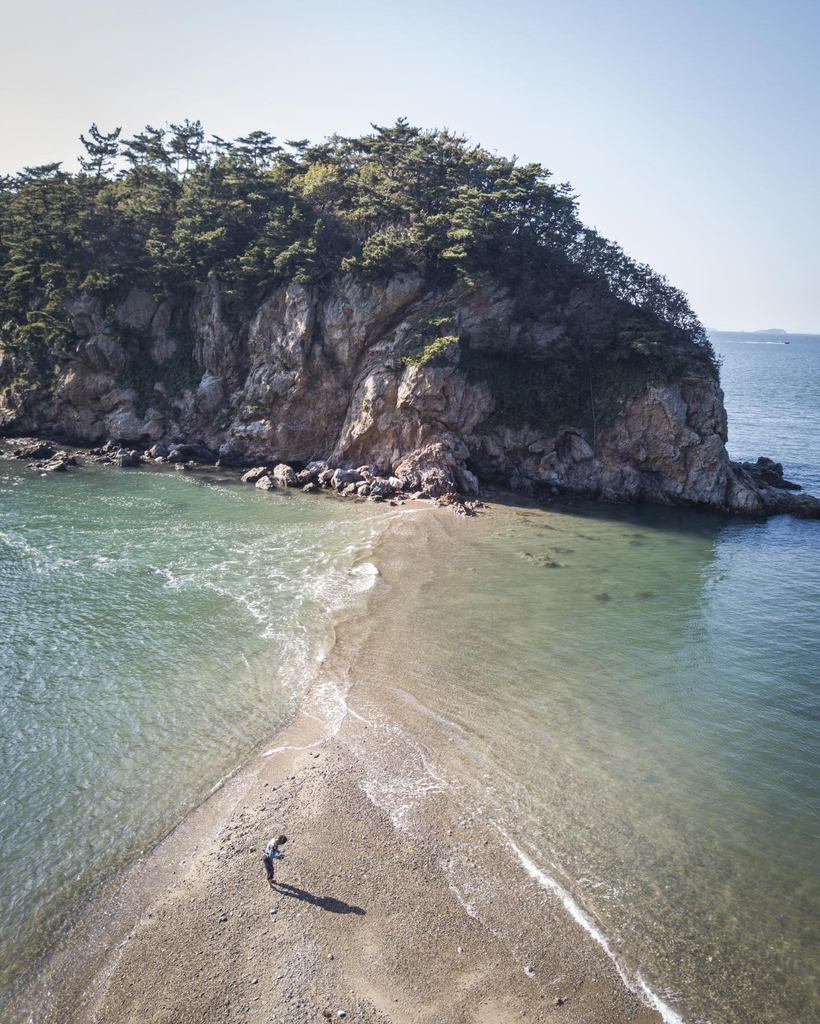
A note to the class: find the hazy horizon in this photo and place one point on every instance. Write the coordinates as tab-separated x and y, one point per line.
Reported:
761	330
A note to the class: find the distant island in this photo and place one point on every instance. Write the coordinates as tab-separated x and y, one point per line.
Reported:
764	330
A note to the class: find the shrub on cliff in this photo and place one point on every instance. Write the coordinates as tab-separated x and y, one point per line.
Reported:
168	208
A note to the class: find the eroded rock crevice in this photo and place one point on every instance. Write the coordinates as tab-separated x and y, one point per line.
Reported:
338	376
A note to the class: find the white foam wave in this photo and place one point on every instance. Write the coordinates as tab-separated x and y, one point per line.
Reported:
636	985
292	604
400	796
448	723
364	576
40	559
175	579
290	746
462	899
325	704
403	777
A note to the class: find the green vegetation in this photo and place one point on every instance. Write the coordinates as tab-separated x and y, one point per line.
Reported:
433	351
430	345
170	208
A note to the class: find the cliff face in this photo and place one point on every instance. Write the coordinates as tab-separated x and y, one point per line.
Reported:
323	374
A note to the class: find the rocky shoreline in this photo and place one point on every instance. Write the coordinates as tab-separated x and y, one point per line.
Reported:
757	489
334	376
315	477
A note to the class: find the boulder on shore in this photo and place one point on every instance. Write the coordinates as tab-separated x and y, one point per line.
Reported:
284	476
381	488
191	451
36	451
342	477
127	458
57	463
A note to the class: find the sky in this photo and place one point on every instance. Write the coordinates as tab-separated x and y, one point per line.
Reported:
690	131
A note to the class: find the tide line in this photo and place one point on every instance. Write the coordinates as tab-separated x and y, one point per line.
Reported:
638	986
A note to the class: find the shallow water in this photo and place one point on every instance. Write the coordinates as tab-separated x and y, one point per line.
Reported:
155	627
630	695
630	719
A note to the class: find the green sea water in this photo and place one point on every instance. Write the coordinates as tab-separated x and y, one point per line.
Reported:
630	695
155	627
614	690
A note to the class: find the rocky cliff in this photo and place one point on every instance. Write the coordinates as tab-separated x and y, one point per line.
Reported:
346	372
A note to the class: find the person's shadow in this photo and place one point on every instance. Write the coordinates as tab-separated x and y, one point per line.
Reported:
323	902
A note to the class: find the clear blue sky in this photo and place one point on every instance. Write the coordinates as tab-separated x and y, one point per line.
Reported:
689	130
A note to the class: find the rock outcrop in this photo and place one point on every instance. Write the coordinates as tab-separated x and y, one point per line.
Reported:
46	458
322	375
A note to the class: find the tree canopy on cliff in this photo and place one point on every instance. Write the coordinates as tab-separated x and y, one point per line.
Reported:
168	208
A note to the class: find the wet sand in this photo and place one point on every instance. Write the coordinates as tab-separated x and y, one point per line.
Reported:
363	923
395	901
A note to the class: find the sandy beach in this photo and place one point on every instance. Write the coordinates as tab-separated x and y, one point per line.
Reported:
396	900
365	923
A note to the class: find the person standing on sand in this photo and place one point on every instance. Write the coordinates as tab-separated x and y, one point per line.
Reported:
272	853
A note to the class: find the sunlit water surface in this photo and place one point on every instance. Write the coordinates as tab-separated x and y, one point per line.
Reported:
154	626
630	694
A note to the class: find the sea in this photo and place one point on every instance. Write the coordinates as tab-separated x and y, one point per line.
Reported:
628	695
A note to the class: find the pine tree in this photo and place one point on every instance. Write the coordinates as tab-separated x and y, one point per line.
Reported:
187	144
102	151
259	148
148	149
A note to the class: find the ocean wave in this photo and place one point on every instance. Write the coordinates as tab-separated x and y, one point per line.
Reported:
363	576
40	560
402	776
637	984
